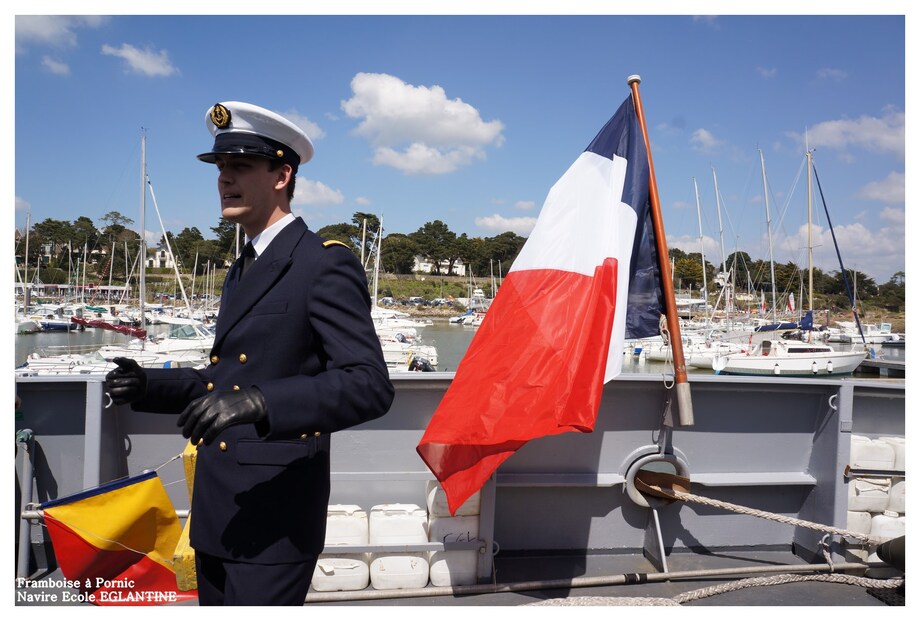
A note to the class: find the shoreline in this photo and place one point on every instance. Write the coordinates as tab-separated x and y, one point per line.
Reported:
897	320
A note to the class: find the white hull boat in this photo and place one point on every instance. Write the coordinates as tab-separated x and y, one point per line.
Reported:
405	356
790	359
76	363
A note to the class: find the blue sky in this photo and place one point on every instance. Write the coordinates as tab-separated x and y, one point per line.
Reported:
470	119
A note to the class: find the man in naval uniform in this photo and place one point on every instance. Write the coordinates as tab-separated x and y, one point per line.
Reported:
295	358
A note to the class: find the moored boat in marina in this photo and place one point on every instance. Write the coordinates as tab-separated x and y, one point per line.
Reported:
792	358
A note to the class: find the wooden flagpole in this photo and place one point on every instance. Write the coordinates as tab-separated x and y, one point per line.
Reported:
682	386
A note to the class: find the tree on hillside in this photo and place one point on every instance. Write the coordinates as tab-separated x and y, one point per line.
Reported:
114	220
115	237
367	228
492	255
363	228
435	242
740	264
504	248
676	254
462	249
788	277
56	237
85	232
397	254
189	245
892	294
226	237
343	232
688	272
861	285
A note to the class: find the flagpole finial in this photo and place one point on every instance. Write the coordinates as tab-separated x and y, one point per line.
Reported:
633	78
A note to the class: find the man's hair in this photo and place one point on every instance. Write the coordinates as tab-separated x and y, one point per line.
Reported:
273	165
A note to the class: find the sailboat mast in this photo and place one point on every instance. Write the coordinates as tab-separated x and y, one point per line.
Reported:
715	183
729	297
699	220
143	242
83	284
766	202
363	241
811	282
25	277
377	263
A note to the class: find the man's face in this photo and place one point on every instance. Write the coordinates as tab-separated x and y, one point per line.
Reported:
247	188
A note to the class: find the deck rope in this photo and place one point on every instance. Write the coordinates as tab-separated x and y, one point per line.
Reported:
728	587
687	497
744	583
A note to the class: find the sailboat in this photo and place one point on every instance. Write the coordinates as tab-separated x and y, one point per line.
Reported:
398	332
187	343
791	358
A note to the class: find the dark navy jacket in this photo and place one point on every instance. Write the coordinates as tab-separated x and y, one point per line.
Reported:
298	327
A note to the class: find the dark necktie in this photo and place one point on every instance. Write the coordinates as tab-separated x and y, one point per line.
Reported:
249	257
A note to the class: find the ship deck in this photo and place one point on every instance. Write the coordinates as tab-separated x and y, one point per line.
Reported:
557	514
597	580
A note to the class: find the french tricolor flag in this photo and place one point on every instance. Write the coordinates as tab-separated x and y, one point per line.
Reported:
586	280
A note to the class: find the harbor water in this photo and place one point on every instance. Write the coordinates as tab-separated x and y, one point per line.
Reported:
451	341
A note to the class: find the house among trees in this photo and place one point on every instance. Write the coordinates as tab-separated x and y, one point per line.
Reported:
158	257
426	266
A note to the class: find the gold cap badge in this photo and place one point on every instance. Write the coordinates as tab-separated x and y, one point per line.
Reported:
220	116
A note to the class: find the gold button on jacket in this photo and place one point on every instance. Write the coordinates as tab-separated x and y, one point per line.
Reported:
243	358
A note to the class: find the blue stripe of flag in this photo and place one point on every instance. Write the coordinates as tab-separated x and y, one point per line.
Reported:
622	136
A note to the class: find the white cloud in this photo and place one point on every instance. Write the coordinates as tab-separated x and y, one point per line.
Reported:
879	134
314	131
878	253
767	72
417	129
894	216
709	20
362	201
146	62
703	140
52	30
525	205
55	66
309	192
689	244
500	224
837	75
890	190
421	159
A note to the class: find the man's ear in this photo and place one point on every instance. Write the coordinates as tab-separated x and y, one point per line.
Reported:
284	175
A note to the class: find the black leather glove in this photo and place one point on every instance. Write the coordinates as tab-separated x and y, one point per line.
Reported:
127	383
206	417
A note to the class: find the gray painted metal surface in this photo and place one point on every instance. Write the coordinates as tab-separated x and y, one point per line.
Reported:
777	444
